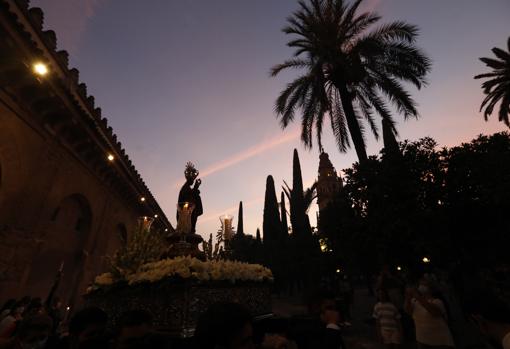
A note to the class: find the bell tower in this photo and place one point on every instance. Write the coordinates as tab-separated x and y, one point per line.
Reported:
328	183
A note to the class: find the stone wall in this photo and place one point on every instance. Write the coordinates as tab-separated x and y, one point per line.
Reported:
61	199
52	209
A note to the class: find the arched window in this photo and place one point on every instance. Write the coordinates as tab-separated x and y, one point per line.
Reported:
72	214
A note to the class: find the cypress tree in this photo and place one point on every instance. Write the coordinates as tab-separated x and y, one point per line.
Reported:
271	226
298	216
240	228
257	238
285	225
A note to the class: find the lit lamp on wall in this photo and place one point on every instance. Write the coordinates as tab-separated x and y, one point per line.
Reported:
425	260
40	68
226	227
145	223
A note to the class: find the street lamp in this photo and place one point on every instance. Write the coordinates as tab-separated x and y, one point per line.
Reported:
425	260
40	69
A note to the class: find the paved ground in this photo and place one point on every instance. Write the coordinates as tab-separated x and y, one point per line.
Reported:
362	332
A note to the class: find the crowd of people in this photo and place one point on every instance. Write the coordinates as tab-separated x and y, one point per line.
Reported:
439	312
28	324
423	313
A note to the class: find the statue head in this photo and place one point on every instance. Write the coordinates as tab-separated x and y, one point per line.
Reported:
191	173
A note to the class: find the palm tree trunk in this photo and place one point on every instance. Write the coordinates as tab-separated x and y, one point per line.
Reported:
352	123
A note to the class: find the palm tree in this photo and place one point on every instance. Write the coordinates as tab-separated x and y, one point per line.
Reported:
350	73
309	195
497	88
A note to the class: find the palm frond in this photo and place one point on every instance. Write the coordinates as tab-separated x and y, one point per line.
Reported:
291	63
398	30
397	95
287	190
501	54
504	109
493	63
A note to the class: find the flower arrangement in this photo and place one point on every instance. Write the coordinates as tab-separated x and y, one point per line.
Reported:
144	246
190	268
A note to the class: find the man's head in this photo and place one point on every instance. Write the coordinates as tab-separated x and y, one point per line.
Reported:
88	324
34	331
329	312
225	326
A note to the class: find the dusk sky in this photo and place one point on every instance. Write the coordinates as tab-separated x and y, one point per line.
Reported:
187	80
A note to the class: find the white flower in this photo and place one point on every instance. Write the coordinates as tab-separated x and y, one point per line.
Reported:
193	268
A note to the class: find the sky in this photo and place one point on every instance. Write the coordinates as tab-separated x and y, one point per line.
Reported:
188	81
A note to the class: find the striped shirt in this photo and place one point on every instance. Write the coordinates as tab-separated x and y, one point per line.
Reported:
387	314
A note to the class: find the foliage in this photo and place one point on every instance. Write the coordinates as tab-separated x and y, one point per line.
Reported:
497	88
350	73
450	204
213	251
144	246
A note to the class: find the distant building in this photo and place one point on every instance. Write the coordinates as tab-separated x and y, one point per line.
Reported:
68	191
329	182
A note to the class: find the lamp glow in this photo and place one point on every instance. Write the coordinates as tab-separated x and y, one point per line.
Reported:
40	69
142	199
155	216
110	157
425	260
399	268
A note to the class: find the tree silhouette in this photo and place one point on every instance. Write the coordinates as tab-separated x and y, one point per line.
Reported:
350	73
497	88
298	216
271	226
240	228
283	213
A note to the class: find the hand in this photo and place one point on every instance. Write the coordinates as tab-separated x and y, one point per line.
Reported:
197	183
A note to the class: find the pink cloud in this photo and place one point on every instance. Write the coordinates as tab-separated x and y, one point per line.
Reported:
231	210
246	154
